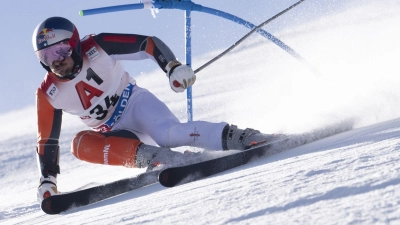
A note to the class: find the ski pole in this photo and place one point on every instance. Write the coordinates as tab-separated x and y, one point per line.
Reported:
247	35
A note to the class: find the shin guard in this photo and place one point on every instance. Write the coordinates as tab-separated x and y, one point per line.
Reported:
114	148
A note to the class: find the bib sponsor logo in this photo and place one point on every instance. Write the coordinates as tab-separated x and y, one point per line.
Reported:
52	91
119	109
93	54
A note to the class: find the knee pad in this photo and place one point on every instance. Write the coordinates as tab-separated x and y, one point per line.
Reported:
114	148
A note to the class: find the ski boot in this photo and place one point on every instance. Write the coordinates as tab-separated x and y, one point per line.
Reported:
234	138
156	158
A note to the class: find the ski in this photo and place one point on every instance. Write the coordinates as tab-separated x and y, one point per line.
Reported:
173	176
59	203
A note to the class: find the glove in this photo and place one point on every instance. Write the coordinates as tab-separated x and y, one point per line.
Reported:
47	188
180	76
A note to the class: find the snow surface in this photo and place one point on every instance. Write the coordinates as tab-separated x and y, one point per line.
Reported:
349	178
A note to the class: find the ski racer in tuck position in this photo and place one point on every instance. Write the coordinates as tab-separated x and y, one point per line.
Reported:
86	78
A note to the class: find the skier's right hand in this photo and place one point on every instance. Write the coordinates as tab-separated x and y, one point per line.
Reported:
180	76
47	187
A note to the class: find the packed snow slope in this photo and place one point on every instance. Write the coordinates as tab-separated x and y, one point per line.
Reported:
349	178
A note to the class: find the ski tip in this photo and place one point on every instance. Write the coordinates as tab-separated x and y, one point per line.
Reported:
81	13
55	205
164	178
48	208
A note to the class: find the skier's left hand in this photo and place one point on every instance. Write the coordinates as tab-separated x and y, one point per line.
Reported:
180	76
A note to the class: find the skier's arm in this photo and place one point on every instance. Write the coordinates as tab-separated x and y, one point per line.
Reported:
135	47
48	133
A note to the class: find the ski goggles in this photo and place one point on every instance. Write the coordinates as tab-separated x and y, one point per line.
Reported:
57	52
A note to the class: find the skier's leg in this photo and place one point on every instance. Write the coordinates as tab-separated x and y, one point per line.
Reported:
122	148
145	114
148	115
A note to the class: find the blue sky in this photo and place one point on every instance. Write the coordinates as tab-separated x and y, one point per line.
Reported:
21	73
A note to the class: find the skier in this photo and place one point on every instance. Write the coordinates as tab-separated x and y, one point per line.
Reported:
86	78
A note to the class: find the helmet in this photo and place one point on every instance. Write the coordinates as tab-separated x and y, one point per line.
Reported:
55	30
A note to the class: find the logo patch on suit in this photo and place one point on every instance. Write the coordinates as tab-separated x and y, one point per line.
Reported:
93	54
52	91
162	58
